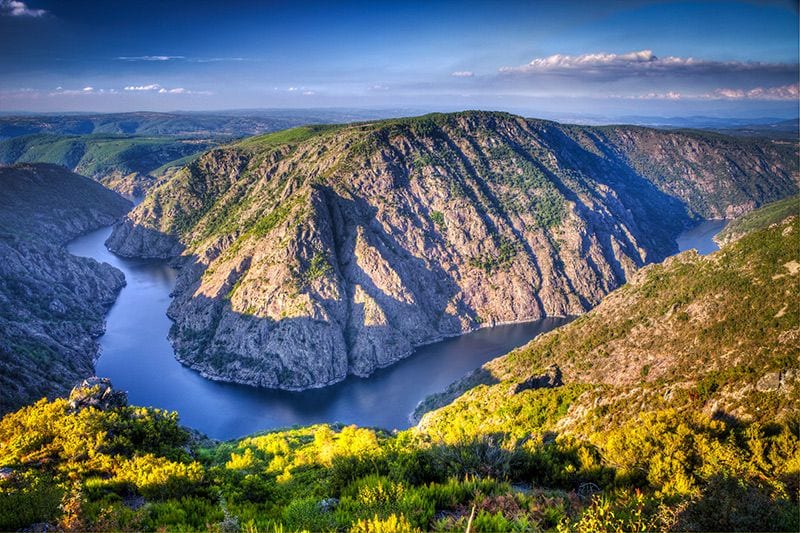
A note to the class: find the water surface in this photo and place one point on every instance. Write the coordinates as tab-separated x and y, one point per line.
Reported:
137	357
701	237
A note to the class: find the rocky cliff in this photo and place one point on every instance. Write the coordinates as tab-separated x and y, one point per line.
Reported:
51	303
717	334
319	252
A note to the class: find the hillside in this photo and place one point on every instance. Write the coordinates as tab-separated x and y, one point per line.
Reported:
715	334
125	163
315	253
52	303
691	409
759	219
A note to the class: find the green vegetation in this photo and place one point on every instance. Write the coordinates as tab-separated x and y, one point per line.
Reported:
490	262
437	217
98	155
318	267
286	137
600	453
761	218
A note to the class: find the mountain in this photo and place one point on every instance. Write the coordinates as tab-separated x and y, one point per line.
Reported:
319	252
715	334
672	406
125	163
52	303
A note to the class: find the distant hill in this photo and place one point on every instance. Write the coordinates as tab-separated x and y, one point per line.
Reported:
126	163
319	252
184	124
52	304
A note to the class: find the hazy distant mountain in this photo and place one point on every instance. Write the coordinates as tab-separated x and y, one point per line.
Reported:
237	123
126	163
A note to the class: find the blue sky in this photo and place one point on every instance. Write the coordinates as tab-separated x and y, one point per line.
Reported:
616	58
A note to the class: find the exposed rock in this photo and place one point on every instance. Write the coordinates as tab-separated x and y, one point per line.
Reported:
52	304
551	378
624	357
338	252
98	393
776	381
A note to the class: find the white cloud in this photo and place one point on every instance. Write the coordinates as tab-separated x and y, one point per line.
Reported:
149	58
15	8
640	63
151	87
179	58
157	88
215	59
785	92
462	74
669	95
83	91
379	87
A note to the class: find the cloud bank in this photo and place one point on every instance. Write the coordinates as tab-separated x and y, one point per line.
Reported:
15	8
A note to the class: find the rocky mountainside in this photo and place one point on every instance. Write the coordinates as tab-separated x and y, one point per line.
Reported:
319	252
51	303
692	409
718	335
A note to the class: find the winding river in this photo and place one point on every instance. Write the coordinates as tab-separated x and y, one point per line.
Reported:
137	357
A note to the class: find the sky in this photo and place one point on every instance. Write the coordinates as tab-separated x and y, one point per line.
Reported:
622	58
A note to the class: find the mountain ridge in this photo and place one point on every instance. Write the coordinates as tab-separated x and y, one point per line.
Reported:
337	249
53	303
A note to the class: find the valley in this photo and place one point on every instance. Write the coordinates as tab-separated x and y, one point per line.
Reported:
322	252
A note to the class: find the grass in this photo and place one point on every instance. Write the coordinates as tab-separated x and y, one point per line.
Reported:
286	137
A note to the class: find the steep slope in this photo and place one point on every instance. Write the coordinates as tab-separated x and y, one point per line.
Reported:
124	163
718	334
319	252
674	407
51	302
759	219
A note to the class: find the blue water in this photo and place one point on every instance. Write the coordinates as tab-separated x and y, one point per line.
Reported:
701	237
137	357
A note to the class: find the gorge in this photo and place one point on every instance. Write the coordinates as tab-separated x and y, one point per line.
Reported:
321	252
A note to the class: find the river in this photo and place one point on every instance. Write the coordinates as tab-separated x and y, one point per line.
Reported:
137	357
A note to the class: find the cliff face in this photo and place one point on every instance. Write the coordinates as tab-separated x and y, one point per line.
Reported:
51	303
320	252
716	334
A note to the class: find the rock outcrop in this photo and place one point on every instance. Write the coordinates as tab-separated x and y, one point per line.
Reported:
96	393
320	252
52	303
